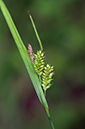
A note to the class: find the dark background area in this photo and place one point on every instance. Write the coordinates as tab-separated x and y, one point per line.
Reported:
61	26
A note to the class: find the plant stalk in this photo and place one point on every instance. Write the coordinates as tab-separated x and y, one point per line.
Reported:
33	24
50	120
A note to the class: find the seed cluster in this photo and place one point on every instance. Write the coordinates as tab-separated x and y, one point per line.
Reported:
47	77
45	72
39	62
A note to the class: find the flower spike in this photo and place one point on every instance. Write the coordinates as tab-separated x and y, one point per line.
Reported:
31	54
39	62
47	77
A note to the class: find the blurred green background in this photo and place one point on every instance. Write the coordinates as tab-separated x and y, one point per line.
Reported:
61	26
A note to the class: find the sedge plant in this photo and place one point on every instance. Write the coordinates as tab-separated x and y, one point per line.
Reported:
40	73
45	72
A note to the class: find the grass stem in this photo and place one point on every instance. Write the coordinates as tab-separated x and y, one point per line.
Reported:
33	24
50	120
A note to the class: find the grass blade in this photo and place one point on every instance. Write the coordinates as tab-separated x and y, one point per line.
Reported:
35	30
24	54
26	59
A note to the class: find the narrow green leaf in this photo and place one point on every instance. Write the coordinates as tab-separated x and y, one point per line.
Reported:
24	54
35	30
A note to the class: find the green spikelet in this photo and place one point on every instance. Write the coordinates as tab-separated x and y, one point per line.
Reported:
47	77
39	62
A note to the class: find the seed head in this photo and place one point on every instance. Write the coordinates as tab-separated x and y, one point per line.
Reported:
39	62
47	77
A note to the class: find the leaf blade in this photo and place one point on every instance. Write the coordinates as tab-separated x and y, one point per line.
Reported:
24	54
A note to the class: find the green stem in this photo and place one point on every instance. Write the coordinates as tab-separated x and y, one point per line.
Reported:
35	31
45	92
52	126
47	111
50	120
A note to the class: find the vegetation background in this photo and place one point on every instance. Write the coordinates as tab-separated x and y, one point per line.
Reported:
61	26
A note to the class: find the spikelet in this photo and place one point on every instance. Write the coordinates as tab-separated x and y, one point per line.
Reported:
39	62
31	54
47	77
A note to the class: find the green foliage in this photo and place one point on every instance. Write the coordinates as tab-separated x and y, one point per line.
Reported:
61	25
24	55
45	72
36	31
27	61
